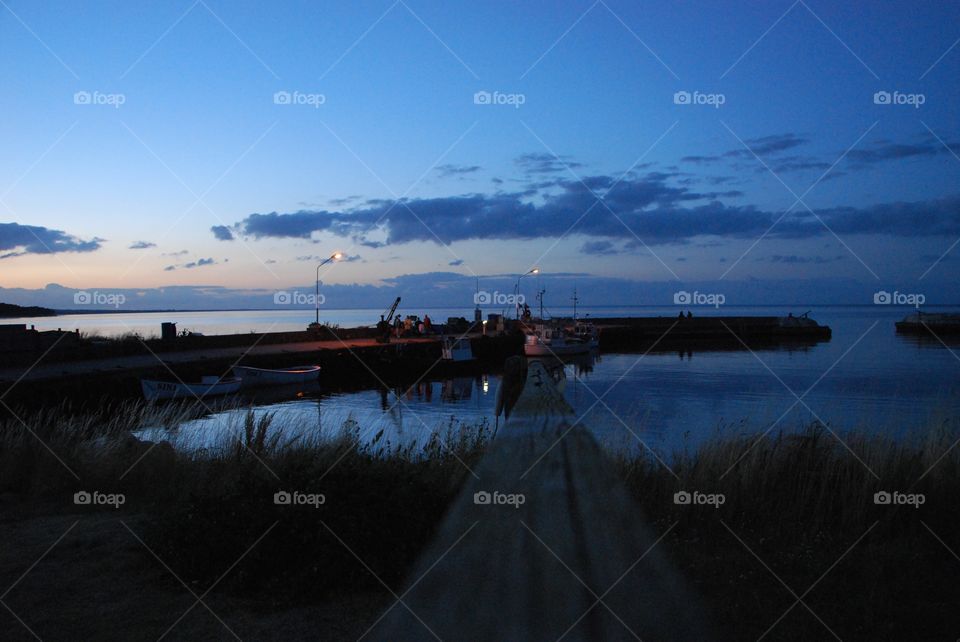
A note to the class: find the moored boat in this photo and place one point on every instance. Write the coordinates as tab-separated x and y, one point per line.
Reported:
586	332
551	342
252	377
209	386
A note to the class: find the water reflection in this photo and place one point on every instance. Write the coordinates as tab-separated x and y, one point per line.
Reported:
866	378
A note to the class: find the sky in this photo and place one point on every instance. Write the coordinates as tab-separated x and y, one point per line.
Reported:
774	152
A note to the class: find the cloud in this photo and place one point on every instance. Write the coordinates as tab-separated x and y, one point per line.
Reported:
180	253
539	163
191	265
763	146
883	150
17	240
142	245
450	169
222	232
648	207
794	259
455	262
771	148
599	248
767	145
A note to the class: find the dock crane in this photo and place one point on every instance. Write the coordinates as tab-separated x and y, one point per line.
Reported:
384	325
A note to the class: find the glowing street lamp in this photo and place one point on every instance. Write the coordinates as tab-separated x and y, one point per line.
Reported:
516	289
336	256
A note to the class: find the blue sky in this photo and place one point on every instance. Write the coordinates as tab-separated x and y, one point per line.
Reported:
597	172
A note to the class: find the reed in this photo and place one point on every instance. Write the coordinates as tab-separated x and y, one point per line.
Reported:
795	506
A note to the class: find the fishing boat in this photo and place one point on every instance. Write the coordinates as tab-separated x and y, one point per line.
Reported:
545	341
254	377
551	341
457	350
209	386
583	330
586	332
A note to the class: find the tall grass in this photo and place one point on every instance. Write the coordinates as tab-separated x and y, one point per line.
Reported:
798	509
205	507
799	512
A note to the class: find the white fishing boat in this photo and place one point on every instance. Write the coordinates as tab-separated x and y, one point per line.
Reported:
457	350
253	377
552	342
586	332
209	386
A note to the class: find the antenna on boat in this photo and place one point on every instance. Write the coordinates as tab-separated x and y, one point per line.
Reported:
575	299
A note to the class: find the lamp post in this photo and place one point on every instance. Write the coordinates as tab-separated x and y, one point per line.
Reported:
336	256
516	290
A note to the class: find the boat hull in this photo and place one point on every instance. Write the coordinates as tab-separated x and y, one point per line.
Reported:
252	377
158	390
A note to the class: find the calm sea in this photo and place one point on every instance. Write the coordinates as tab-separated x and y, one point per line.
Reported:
866	378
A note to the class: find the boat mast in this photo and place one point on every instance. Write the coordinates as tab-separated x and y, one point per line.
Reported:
540	297
575	299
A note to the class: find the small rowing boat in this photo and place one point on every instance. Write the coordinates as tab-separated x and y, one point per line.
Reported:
252	377
209	386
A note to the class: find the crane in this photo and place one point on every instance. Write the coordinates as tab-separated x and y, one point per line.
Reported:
383	326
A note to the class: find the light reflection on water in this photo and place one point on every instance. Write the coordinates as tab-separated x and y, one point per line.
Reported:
866	378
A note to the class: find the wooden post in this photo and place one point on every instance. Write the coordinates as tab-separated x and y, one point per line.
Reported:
572	559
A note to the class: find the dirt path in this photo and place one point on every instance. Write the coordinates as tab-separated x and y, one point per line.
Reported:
100	583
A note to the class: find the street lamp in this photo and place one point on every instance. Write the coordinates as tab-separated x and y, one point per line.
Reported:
336	256
516	289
